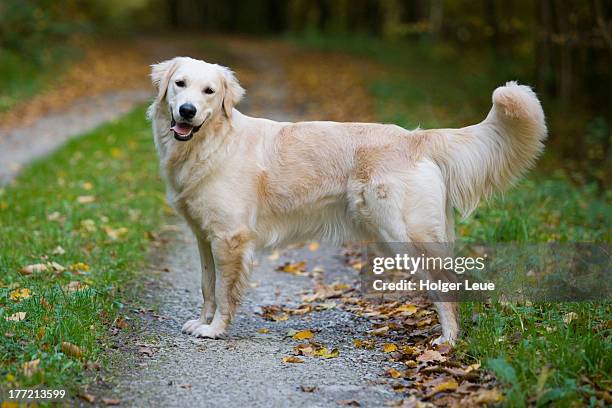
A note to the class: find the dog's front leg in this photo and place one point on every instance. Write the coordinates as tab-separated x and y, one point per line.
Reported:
233	259
208	287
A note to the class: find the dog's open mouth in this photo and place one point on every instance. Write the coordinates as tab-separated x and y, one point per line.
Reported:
183	131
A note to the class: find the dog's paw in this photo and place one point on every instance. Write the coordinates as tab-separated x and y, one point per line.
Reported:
191	325
442	340
209	331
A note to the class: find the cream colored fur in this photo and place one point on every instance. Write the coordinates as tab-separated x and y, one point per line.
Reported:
246	183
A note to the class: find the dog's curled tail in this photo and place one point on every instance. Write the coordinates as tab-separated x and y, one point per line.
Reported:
490	156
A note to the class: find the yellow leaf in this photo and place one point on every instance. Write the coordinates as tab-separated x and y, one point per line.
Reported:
71	350
87	185
407	309
313	246
292	359
488	397
116	234
20	294
116	152
294	268
389	347
303	335
323	352
263	330
392	372
79	267
16	317
445	386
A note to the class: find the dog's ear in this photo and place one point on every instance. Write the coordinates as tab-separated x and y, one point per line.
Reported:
233	92
160	76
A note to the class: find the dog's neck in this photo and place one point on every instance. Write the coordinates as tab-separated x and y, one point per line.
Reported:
208	147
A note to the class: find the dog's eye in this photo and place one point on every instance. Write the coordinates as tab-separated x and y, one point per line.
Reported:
209	91
180	84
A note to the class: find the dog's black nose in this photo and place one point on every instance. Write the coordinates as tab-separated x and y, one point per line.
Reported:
187	110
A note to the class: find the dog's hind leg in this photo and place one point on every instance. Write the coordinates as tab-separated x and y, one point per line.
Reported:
208	287
233	255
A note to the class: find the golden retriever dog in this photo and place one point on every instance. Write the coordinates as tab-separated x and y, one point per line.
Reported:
245	184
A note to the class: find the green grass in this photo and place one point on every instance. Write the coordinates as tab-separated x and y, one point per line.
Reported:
538	358
40	212
22	76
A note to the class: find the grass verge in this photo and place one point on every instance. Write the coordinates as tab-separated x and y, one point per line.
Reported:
544	353
85	214
24	76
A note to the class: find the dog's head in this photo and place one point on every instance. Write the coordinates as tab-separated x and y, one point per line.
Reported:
194	92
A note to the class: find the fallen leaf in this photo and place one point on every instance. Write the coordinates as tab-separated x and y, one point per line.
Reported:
444	348
74	286
410	351
297	268
389	347
88	225
381	331
86	199
121	323
54	216
56	267
58	250
111	401
323	352
450	385
116	234
34	268
80	267
71	350
87	185
392	372
406	309
430	355
292	359
569	317
488	397
40	333
19	294
16	317
263	330
87	397
30	367
313	246
303	335
306	388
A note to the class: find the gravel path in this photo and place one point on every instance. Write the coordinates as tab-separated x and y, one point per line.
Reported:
164	368
22	145
160	367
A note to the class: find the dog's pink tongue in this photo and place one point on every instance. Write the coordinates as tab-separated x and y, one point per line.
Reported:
182	129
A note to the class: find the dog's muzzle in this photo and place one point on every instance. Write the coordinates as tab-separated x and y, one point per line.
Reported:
183	132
